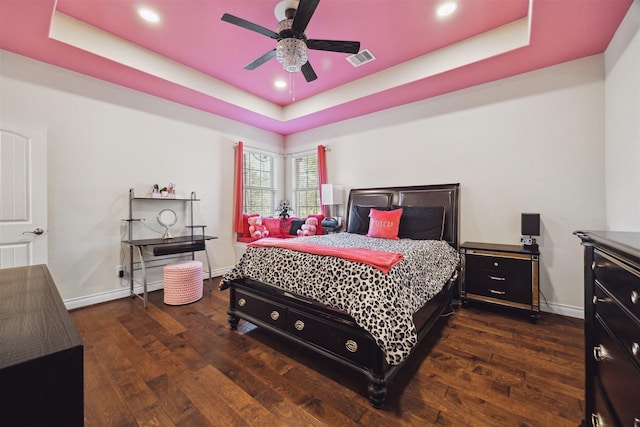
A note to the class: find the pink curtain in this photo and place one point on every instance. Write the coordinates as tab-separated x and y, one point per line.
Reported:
239	189
322	174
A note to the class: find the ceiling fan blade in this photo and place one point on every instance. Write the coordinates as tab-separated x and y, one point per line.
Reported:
250	26
305	11
334	45
307	71
258	62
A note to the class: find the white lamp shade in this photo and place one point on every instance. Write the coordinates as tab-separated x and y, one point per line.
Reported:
332	194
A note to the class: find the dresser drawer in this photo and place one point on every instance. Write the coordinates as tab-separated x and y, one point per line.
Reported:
355	347
601	415
618	376
508	279
262	309
624	327
620	279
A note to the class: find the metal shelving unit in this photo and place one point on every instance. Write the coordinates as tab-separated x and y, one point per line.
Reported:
163	249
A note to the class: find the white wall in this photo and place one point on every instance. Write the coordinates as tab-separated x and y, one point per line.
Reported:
622	123
530	143
104	139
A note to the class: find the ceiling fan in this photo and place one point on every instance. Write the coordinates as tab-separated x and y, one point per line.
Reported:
291	49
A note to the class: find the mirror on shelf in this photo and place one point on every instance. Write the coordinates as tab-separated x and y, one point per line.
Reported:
167	218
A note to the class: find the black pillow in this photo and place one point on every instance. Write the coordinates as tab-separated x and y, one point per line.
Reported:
421	222
296	224
359	218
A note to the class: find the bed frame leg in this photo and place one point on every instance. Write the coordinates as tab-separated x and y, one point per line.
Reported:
233	322
377	393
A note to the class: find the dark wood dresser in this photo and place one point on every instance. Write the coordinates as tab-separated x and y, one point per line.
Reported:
41	359
612	328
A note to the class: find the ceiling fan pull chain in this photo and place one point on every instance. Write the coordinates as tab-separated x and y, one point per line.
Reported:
292	89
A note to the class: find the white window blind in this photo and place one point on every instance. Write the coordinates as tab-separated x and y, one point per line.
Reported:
259	183
306	196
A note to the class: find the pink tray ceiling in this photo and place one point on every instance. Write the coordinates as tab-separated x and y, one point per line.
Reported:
398	33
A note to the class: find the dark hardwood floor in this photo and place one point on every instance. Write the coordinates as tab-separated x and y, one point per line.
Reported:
182	366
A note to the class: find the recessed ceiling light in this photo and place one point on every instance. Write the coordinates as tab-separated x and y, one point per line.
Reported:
280	84
148	15
447	9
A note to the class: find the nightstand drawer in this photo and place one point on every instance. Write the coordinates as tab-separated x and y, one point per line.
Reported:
502	278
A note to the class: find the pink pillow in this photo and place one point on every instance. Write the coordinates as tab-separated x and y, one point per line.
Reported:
273	226
384	224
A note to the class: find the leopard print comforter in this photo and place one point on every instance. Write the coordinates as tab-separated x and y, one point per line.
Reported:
382	304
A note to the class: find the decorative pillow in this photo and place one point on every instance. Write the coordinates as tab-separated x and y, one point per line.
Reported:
421	222
273	226
245	224
295	226
359	218
384	224
285	226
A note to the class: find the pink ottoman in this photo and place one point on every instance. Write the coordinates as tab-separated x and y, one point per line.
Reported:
182	282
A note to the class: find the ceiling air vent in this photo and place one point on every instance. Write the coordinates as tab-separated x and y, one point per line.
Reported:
361	58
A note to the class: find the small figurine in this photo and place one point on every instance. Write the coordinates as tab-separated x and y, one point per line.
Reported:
285	210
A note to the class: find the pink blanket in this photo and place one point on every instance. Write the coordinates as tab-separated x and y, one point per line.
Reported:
383	261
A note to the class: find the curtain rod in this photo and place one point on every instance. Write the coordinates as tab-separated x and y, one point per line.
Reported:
310	150
326	148
260	149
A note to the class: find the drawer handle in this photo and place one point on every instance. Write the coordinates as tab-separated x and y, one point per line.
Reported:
275	315
635	297
500	279
351	345
242	302
636	422
299	325
600	353
635	349
596	420
597	300
493	291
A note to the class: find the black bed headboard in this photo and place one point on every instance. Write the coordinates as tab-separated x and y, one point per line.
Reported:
447	195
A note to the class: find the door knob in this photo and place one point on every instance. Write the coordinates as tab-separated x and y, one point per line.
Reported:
38	231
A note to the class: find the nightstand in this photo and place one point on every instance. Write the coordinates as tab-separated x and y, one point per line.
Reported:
505	275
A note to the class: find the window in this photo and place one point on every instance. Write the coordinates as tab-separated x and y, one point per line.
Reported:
306	196
259	183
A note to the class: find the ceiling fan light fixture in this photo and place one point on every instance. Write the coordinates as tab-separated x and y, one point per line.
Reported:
281	8
292	54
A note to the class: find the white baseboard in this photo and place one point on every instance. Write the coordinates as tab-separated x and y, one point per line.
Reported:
72	303
562	309
124	292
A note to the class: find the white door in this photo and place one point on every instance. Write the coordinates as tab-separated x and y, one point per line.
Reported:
23	195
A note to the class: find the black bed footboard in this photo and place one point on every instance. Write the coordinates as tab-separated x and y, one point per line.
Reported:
325	331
